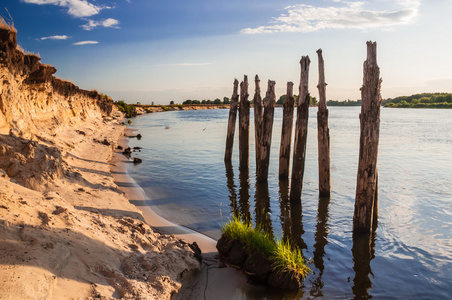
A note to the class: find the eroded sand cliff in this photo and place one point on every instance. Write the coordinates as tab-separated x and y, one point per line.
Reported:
66	230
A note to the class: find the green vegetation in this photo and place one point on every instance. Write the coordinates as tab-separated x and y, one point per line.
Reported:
283	257
217	101
425	100
129	110
343	103
312	102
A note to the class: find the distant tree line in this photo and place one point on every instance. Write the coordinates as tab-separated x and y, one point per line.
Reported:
343	103
425	100
217	101
312	102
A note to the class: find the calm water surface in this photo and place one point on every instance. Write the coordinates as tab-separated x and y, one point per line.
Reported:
409	256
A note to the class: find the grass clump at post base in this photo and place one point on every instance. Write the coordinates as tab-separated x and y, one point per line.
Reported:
280	253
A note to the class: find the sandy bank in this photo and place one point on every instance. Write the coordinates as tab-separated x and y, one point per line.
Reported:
78	236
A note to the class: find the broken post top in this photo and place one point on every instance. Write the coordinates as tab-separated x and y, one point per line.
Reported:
271	88
370	91
236	88
257	83
244	89
304	80
322	84
289	88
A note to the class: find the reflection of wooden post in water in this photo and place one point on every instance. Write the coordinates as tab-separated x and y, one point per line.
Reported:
363	252
323	133
285	208
266	133
231	187
231	123
244	124
301	133
321	241
262	207
244	194
366	186
297	225
257	100
286	133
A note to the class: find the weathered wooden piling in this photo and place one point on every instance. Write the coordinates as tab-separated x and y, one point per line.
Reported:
366	186
231	123
286	133
244	124
323	133
301	133
257	100
267	129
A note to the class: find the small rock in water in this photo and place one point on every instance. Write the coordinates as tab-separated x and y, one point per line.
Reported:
137	160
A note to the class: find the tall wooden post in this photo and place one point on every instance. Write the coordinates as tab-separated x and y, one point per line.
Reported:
244	124
366	185
231	123
266	139
301	133
323	133
286	133
257	119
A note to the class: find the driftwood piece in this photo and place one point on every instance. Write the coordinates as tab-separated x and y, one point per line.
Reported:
267	129
323	133
231	123
301	133
286	133
244	124
257	120
366	186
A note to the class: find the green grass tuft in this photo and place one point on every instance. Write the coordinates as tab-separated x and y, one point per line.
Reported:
283	257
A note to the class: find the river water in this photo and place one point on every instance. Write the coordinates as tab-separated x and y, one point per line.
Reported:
408	257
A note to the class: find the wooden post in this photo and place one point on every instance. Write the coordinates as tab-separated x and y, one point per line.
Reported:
301	133
366	185
286	133
231	123
244	125
257	120
266	139
323	133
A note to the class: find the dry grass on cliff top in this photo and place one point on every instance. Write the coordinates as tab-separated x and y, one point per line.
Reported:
5	25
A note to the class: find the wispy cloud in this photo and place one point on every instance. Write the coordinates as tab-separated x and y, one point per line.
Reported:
340	15
86	43
55	37
76	8
112	23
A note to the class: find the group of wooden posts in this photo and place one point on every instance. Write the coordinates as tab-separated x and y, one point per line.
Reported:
366	201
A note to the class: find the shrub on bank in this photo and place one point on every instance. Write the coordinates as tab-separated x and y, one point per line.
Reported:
263	258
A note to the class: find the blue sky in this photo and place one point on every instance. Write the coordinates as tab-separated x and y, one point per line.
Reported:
158	51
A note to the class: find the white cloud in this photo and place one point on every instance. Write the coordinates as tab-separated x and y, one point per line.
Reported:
86	43
341	15
76	8
55	37
112	23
